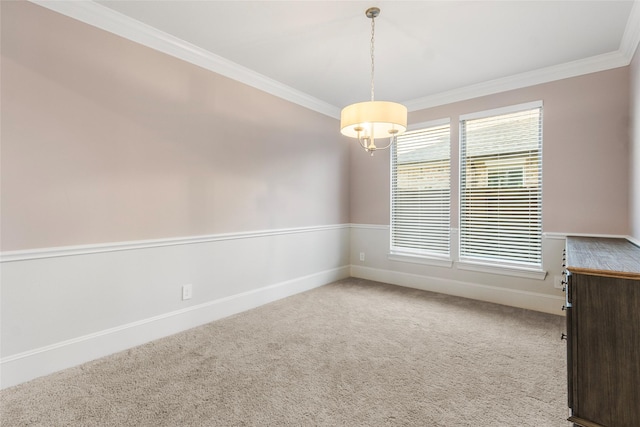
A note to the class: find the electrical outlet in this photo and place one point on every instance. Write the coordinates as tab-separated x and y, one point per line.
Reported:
557	282
361	256
187	292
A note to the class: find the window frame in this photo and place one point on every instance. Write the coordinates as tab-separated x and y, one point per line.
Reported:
504	267
499	268
427	258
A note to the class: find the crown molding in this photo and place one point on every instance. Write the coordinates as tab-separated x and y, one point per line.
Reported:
631	36
620	58
593	64
114	22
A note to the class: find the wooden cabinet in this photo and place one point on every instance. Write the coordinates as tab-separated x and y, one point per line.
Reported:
603	331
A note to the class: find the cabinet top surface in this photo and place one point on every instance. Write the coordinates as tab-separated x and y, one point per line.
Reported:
603	256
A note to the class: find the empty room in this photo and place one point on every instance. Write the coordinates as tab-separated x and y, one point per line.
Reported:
320	213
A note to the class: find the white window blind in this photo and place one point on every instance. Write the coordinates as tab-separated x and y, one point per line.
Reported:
501	188
420	192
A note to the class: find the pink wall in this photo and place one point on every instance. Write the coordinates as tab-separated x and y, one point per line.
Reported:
104	140
585	154
634	157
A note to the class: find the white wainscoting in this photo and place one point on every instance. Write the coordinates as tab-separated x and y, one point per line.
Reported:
62	307
65	306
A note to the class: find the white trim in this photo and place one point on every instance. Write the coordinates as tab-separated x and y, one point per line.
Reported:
527	273
31	364
554	236
11	256
117	23
370	226
417	259
502	110
631	36
577	68
516	298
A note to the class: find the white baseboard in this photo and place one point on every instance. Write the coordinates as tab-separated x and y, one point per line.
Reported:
31	364
524	299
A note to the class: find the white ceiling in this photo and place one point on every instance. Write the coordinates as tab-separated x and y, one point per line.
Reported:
425	51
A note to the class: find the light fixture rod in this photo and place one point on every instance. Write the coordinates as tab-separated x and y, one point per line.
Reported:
372	13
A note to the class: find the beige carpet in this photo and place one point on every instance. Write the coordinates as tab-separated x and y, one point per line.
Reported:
352	353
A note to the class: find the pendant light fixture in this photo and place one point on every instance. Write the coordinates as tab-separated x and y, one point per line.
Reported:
369	120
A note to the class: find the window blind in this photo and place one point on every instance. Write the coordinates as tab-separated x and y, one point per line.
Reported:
501	188
420	192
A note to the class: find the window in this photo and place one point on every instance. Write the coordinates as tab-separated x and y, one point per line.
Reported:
420	192
501	186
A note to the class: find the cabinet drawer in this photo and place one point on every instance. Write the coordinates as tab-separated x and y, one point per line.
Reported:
603	332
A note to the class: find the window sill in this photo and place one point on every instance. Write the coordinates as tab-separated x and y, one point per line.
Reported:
420	259
527	273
